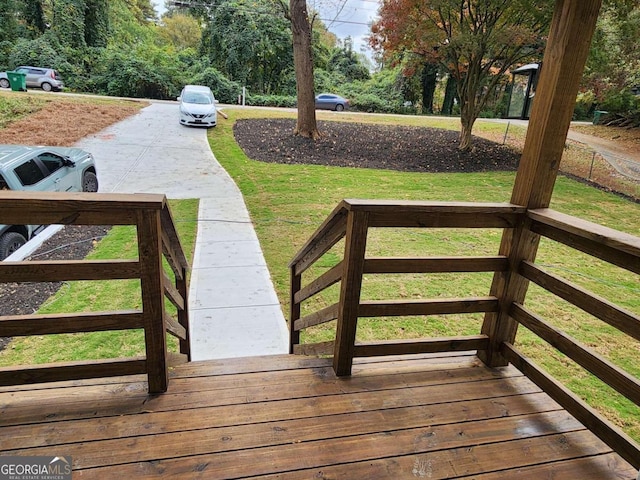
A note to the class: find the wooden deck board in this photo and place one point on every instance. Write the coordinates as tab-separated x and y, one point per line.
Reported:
289	417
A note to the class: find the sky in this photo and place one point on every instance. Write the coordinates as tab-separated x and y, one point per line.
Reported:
348	18
342	17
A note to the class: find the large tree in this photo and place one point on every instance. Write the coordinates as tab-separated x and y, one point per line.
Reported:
477	41
249	44
306	125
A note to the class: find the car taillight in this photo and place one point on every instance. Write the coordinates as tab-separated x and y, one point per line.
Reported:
51	74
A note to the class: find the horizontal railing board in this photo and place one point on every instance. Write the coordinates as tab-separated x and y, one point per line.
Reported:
72	202
615	377
436	264
68	270
606	311
406	214
432	345
325	315
314	349
393	308
55	217
330	277
25	325
444	220
420	206
58	208
590	418
593	232
27	374
617	248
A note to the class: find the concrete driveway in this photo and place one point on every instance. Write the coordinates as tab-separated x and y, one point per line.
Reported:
233	308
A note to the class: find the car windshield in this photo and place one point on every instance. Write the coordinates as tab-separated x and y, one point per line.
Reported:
199	98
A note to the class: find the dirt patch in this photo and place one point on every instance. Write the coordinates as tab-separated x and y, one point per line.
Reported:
411	149
48	126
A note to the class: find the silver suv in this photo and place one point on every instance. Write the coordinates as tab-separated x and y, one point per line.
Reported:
37	77
38	169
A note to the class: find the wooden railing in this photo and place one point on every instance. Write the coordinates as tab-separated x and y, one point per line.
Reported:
156	239
351	221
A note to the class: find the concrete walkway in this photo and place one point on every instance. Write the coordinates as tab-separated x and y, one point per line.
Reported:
234	310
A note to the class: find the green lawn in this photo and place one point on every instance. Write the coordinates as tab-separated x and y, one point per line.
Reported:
288	202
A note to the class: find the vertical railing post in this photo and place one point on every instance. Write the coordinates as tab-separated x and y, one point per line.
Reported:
294	308
567	48
183	314
354	251
150	258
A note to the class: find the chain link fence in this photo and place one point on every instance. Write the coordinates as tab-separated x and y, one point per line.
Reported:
602	169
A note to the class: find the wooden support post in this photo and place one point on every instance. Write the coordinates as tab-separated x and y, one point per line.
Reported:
294	308
354	250
564	59
150	257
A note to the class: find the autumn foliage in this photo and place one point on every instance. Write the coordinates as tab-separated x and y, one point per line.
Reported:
475	41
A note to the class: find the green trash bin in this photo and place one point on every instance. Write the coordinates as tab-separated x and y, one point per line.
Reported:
597	116
18	81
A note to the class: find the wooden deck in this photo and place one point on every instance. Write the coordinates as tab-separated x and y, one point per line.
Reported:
290	417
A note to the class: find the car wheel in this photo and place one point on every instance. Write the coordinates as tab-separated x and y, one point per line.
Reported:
9	243
339	107
4	83
46	86
89	182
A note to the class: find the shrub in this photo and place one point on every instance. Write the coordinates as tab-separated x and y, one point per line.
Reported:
272	100
620	102
225	90
125	75
585	105
44	51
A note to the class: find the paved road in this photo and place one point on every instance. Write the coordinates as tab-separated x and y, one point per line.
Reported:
234	310
625	162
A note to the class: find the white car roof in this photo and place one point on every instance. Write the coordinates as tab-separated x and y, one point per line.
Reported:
197	88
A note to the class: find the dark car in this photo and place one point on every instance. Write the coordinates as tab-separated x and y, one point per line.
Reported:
330	101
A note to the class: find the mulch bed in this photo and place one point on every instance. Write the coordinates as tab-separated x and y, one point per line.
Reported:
410	149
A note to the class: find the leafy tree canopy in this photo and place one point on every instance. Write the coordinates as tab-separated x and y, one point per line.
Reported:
181	31
476	41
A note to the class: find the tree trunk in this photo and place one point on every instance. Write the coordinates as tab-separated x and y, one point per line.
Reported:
449	95
467	119
429	75
306	125
468	88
